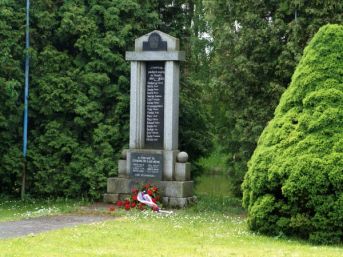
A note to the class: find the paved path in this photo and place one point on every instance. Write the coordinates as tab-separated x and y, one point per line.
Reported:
36	225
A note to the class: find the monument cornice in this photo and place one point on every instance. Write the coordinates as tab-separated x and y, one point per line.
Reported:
155	56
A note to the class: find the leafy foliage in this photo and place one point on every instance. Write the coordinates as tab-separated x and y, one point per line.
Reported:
79	93
11	80
294	184
257	45
79	98
185	20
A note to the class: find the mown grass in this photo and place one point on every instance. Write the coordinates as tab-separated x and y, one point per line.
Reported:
184	233
216	226
16	209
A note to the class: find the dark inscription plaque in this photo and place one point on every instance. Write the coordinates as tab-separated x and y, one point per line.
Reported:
146	166
154	107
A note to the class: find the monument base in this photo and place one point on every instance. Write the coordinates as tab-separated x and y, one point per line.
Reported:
177	194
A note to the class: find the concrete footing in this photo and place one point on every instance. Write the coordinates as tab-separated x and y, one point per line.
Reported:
178	202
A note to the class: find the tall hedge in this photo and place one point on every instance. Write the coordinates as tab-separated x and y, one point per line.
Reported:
294	184
79	92
79	84
11	81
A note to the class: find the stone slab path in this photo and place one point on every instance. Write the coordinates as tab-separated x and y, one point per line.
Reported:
19	228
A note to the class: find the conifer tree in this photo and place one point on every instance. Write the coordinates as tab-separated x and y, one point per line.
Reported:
257	45
79	92
294	184
11	81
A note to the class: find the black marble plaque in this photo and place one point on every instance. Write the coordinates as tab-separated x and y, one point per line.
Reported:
154	105
146	166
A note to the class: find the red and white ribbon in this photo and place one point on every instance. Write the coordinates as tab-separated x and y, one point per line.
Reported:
146	199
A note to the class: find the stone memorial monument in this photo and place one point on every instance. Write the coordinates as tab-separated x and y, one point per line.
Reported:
153	155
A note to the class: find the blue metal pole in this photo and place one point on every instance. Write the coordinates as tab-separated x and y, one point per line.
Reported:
27	66
26	97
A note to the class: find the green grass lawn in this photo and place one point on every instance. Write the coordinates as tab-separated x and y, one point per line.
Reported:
199	231
214	185
16	210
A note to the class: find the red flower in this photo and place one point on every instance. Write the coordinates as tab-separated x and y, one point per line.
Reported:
111	208
133	202
155	208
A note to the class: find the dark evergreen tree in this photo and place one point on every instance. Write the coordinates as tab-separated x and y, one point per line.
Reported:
79	90
79	95
185	20
11	81
257	45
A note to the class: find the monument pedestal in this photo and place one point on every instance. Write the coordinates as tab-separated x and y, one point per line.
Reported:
153	155
177	194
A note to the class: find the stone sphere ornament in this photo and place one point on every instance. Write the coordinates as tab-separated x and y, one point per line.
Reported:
182	157
123	154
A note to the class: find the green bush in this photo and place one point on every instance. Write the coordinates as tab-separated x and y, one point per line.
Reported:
11	81
294	184
79	93
252	66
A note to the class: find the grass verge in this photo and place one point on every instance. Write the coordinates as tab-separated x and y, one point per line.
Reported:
185	233
16	210
214	227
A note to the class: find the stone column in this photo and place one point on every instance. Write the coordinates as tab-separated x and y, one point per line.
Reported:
137	105
171	111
